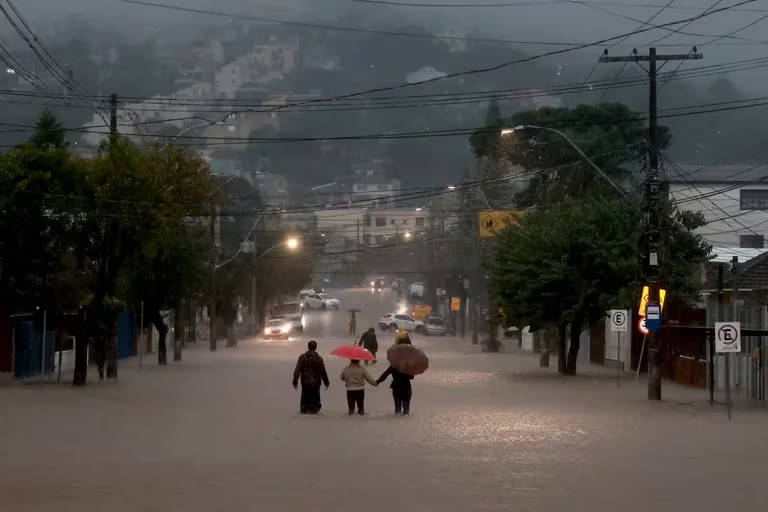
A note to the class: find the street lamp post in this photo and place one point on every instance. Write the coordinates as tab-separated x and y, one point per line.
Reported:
523	127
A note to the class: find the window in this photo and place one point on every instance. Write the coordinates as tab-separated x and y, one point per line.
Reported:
367	239
404	222
752	241
381	222
367	221
392	221
379	239
754	199
420	222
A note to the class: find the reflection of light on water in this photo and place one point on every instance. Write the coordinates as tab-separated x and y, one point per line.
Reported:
458	377
524	435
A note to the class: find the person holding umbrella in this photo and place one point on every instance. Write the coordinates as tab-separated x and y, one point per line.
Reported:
401	389
405	361
370	343
355	376
310	369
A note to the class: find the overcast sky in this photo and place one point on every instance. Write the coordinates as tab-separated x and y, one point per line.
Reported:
530	20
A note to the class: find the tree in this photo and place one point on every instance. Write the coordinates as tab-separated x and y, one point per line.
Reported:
139	200
609	133
564	267
48	131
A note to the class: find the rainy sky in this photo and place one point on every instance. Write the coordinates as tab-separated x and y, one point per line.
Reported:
546	21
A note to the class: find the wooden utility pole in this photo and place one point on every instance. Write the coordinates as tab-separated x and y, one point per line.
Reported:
113	116
652	199
212	283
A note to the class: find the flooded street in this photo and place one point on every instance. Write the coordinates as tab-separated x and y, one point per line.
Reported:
487	432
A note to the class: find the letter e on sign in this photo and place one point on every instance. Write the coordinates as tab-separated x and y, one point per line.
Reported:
727	337
619	320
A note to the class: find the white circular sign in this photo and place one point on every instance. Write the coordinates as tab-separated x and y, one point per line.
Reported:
619	318
641	326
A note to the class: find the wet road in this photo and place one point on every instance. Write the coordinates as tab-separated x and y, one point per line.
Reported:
488	433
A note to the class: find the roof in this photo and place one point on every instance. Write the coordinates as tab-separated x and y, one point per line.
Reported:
719	173
752	271
726	254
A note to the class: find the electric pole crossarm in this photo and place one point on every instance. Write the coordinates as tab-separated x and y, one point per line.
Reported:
647	58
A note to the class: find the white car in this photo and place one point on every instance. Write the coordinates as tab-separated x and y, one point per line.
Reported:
277	328
394	321
320	301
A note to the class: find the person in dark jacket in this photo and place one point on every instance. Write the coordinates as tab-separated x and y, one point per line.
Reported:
310	369
369	342
401	389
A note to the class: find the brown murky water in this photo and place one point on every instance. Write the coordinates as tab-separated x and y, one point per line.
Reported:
220	433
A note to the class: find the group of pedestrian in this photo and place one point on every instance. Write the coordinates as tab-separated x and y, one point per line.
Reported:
310	371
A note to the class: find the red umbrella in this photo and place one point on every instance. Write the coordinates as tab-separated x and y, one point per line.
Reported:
353	352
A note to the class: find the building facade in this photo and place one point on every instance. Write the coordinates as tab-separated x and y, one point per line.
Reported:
732	198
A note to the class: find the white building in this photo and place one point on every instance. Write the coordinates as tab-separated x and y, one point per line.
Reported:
387	225
732	198
423	74
265	63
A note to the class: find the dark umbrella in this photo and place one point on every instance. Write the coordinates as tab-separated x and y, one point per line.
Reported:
407	359
354	311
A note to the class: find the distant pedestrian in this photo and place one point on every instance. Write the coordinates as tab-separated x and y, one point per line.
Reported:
352	324
402	337
369	342
310	369
401	389
355	377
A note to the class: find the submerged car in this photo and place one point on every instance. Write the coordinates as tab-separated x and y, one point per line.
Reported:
435	327
277	329
320	301
393	321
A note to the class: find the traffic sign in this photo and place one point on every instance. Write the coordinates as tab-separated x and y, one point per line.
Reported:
641	326
727	337
619	320
491	222
653	317
644	300
455	304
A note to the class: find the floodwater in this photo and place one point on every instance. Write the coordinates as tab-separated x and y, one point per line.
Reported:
220	432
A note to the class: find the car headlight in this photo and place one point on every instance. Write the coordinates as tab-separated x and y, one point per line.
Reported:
372	283
287	328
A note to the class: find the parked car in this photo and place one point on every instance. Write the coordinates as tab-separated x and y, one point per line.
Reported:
435	327
306	291
393	321
277	329
320	301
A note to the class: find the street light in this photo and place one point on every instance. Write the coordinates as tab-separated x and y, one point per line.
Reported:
407	235
292	243
523	127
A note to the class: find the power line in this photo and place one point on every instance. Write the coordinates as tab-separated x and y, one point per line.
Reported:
460	73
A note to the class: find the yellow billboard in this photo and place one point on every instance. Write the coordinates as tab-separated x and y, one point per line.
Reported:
491	222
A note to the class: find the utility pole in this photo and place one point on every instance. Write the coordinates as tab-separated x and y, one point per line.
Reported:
212	283
113	115
652	199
